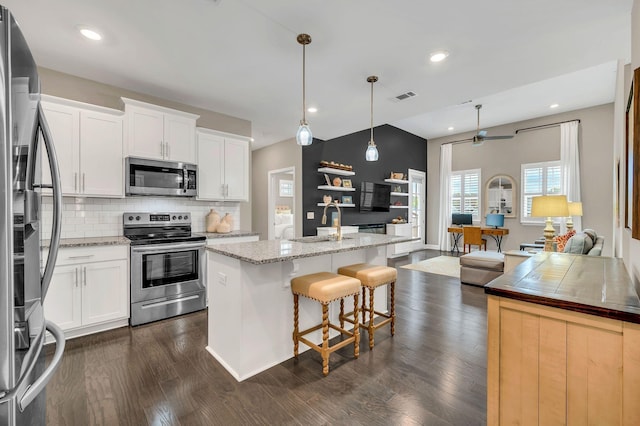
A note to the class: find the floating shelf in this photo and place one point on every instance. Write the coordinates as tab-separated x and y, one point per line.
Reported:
336	171
339	204
398	207
396	181
400	194
335	188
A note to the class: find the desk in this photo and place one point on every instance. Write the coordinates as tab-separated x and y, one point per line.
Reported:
495	233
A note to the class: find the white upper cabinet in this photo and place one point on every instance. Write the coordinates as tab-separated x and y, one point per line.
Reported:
223	166
88	142
159	133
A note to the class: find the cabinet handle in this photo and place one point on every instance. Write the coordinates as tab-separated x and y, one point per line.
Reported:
166	149
84	273
75	182
162	149
81	257
83	187
76	277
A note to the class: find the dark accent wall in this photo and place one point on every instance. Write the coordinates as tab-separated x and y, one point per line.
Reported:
399	151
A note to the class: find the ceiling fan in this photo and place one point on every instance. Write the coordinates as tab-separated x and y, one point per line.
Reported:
481	135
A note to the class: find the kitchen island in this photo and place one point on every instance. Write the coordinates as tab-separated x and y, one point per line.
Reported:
563	344
250	321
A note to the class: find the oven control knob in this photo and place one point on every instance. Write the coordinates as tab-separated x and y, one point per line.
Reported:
130	217
174	217
137	217
186	217
180	217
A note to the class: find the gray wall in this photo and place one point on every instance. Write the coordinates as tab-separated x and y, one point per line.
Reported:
273	157
67	86
506	156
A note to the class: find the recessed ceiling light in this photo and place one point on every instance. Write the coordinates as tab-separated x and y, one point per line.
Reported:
439	56
312	109
450	128
89	33
252	139
554	106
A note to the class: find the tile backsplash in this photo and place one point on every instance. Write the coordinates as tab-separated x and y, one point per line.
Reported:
102	217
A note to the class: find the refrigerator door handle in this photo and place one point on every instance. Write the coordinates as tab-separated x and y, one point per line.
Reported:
31	392
57	201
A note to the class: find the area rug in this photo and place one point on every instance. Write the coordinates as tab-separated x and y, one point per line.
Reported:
441	265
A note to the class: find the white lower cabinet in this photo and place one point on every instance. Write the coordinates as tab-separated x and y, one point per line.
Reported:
89	290
401	230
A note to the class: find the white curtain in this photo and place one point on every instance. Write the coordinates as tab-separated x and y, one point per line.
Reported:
444	239
570	163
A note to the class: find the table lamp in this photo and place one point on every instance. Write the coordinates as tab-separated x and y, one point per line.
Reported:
575	209
549	206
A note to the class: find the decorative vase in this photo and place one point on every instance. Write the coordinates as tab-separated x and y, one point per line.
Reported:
326	199
337	181
223	228
228	219
212	220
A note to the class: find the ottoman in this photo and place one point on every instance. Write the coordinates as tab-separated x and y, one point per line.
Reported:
480	267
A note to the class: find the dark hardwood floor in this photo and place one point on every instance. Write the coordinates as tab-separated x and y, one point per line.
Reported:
433	371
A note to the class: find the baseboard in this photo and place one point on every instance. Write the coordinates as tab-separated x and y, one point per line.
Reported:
432	246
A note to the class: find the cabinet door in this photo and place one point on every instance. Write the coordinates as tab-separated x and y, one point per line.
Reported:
63	302
236	169
104	291
180	138
101	154
145	133
64	125
210	167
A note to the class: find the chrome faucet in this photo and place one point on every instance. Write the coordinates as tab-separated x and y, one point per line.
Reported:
324	218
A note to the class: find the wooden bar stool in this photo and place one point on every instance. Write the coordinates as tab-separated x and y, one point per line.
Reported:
326	287
371	277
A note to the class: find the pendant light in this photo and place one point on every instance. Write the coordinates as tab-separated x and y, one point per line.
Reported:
304	136
372	150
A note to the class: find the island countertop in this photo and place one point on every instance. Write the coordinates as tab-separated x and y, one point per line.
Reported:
593	285
270	251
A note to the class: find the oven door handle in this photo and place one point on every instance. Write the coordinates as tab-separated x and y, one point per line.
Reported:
157	248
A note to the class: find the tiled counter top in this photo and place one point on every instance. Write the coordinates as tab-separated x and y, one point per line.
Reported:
270	251
90	241
231	234
593	285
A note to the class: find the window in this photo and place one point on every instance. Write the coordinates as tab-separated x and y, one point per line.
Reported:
465	192
286	188
539	179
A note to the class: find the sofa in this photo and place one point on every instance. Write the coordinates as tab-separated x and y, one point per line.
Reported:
586	242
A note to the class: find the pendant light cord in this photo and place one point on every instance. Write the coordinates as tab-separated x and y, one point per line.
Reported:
372	111
304	116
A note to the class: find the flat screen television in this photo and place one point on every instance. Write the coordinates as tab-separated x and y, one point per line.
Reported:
495	220
375	197
461	219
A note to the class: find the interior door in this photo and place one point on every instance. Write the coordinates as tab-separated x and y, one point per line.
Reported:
417	206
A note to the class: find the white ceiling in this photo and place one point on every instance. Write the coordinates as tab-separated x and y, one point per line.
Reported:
240	57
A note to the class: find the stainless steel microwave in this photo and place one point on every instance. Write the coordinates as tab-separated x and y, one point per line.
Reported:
154	177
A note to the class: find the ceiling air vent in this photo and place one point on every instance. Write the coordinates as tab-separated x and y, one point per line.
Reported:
406	95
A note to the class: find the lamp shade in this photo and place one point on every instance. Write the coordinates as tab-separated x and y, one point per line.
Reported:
575	208
550	206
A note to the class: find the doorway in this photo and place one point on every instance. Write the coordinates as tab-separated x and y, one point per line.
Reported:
281	203
417	207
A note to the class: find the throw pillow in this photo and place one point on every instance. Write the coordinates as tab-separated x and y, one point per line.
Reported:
578	244
561	240
591	233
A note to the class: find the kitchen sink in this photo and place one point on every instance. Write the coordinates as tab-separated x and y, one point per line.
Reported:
319	239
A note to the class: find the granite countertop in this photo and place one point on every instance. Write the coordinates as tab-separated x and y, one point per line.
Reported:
90	241
270	251
589	284
230	234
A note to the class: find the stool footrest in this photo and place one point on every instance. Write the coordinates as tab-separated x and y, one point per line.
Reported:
330	349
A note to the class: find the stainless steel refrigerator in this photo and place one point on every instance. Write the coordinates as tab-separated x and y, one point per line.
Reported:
24	276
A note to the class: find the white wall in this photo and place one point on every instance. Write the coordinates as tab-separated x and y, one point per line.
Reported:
631	247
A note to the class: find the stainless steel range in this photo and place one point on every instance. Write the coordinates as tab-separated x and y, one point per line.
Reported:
167	266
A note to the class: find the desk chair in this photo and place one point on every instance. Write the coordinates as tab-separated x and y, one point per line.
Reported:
472	236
